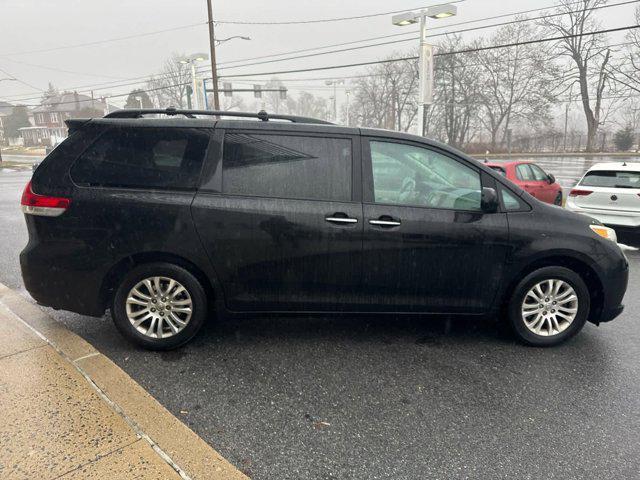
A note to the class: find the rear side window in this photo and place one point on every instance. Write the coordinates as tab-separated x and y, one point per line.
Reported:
143	158
287	166
611	179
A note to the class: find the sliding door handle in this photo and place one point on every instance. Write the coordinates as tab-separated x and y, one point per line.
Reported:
385	222
341	220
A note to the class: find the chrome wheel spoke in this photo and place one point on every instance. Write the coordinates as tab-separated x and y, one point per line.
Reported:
141	320
135	301
555	309
135	292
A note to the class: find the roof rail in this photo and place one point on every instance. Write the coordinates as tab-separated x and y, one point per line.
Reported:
261	115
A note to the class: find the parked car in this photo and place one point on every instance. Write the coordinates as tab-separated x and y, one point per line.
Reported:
162	220
609	192
531	178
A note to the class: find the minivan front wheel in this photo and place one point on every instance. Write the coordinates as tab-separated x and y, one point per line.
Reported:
159	306
549	306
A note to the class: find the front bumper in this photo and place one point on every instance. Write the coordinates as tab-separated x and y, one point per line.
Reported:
608	315
614	287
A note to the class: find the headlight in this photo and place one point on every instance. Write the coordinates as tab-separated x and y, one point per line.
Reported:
605	232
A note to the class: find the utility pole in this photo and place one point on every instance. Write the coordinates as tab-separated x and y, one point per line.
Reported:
214	71
348	92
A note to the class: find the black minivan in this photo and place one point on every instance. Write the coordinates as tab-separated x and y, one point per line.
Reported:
165	216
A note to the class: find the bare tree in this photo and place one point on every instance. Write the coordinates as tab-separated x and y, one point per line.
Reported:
387	96
516	82
453	117
590	56
169	87
628	70
308	105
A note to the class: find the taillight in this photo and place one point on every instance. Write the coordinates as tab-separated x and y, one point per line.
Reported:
577	192
43	205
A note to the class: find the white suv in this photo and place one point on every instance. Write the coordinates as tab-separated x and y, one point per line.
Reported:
609	192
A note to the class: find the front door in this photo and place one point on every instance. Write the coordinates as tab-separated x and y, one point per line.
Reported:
282	228
428	246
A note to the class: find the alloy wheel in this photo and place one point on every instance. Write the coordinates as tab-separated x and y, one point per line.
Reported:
159	307
549	307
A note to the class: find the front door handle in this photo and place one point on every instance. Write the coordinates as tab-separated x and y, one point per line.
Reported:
385	221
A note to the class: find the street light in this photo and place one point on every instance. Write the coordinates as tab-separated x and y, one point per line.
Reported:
192	60
222	40
426	52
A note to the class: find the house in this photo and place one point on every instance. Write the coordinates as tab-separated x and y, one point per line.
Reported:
5	111
49	117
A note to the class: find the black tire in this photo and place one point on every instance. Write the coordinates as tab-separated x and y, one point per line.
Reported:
190	283
546	273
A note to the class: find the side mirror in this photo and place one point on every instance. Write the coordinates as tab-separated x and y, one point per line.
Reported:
551	178
489	200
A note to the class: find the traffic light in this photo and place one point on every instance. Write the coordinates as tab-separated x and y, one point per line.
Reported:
283	93
257	91
228	89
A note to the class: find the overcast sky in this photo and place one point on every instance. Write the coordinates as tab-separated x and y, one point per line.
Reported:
28	25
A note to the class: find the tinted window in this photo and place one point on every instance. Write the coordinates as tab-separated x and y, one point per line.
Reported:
523	172
143	157
538	173
287	166
509	200
611	179
410	175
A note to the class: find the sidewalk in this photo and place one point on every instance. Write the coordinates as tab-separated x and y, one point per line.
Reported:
68	412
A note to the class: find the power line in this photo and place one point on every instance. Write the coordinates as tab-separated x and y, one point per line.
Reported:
456	52
390	60
366	46
107	40
414	32
360	47
325	20
20	81
55	69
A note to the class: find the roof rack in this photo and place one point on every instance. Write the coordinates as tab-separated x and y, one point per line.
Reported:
261	115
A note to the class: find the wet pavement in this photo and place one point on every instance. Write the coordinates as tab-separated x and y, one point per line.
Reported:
364	397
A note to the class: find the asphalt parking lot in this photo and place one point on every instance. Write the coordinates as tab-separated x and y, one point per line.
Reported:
402	398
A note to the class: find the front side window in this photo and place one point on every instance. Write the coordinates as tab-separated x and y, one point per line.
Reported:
411	175
143	157
524	173
539	174
287	166
611	179
509	200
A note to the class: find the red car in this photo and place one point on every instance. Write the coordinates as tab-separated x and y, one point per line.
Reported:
531	178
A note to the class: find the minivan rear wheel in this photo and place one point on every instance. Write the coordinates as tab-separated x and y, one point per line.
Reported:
549	306
159	306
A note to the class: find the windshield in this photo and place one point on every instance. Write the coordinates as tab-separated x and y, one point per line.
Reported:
611	179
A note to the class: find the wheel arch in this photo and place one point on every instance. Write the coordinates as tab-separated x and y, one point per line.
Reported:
124	265
579	266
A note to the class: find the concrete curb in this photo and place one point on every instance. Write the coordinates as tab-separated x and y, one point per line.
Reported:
189	455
